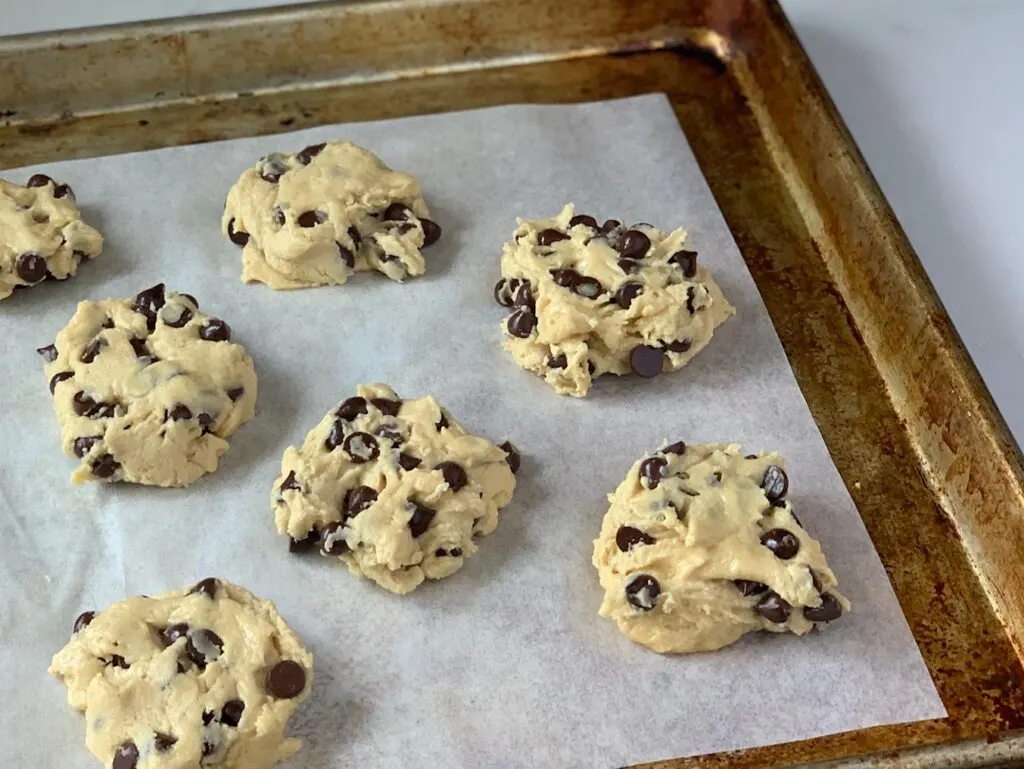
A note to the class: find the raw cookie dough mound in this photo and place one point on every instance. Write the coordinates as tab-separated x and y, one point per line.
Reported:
147	389
42	234
314	217
700	546
203	676
397	489
589	300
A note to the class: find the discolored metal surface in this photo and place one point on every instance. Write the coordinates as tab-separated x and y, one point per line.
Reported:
922	449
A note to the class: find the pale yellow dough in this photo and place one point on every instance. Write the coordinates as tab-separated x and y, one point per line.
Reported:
151	700
41	234
695	532
412	523
144	397
314	217
673	312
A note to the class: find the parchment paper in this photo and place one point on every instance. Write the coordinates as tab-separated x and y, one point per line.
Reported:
506	664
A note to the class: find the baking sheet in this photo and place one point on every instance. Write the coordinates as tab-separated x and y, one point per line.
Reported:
504	664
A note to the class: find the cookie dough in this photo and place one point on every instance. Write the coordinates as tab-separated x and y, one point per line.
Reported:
314	217
147	389
397	489
203	676
700	545
42	234
591	299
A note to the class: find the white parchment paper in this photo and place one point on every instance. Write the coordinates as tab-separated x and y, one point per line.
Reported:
506	664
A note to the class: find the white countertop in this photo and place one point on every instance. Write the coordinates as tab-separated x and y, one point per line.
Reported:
931	90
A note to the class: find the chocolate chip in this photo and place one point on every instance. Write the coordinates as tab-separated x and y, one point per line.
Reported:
524	296
62	191
207	587
117	661
634	245
687	261
829	610
203	647
587	287
559	361
420	519
332	539
358	499
583	219
164	742
453	474
149	302
310	152
775	483
305	544
521	322
209	748
58	378
431	232
287	679
126	756
773	608
184	316
215	330
346	255
172	633
749	587
311	218
784	544
38	180
82	445
679	447
391	433
651	470
691	296
231	713
679	345
139	346
289	483
208	716
440	552
48	353
642	592
105	466
336	435
512	456
192	299
455	552
238	237
549	236
277	215
397	212
505	291
565	278
626	293
85	406
83	620
408	461
815	579
628	537
92	350
387	406
361	447
272	171
235	393
628	266
354	236
645	361
31	267
609	225
350	408
177	413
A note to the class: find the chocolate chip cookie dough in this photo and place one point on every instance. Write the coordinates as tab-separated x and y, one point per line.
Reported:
203	676
700	545
42	234
147	389
315	217
397	489
591	299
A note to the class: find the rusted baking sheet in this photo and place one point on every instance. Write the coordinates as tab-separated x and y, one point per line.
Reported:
926	456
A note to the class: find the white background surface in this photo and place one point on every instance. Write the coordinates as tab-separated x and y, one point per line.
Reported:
932	92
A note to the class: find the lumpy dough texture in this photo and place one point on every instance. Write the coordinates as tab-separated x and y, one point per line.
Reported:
588	300
42	234
314	217
147	390
397	489
700	545
202	676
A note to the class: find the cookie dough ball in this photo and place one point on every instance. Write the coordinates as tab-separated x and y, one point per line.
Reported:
588	300
700	545
203	676
147	389
314	217
397	489
42	234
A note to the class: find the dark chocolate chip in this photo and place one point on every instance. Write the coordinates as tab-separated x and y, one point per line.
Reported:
775	483
440	552
332	539
358	499
48	353
505	291
346	255
209	747
277	215
172	633
645	361
354	236
565	278
420	519
679	447
609	225
687	261
391	433
83	620
642	592
82	445
178	413
350	408
651	470
628	537
749	587
524	296
182	320
454	475
310	152
273	170
336	435
215	330
58	378
521	322
105	466
208	716
231	713
149	302
305	544
311	218
784	544
235	393
397	212
408	461
387	406
286	680
455	552
559	361
773	608
626	293
31	267
207	587
629	266
289	483
192	299
164	742
634	245
431	232
139	346
679	345
691	296
512	456
549	236
361	447
829	610
203	647
583	219
126	756
38	180
815	579
63	190
587	287
238	237
92	350
117	661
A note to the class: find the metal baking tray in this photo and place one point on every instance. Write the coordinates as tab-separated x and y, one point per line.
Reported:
927	458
